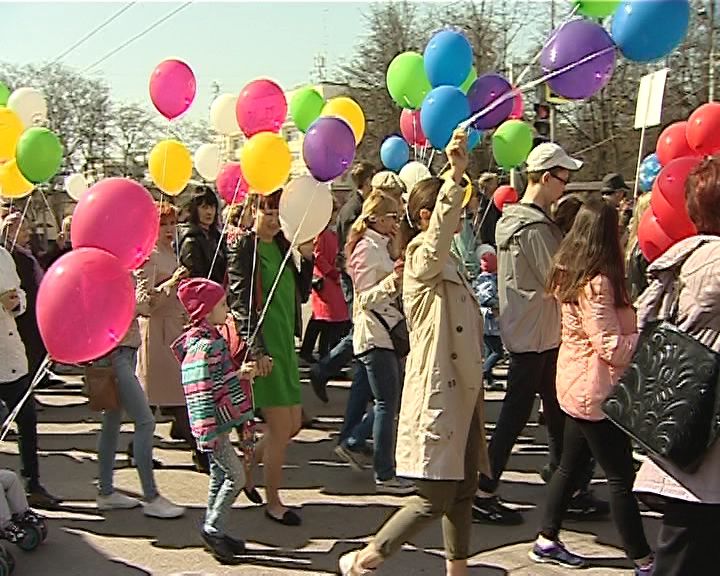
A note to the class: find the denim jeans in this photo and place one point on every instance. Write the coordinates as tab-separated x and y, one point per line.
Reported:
337	359
359	420
227	478
135	403
494	352
383	374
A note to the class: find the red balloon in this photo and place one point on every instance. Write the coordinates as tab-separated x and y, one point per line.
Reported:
231	185
411	129
673	143
518	107
703	129
504	195
652	238
668	198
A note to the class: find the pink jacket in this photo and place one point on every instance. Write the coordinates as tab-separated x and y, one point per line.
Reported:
598	340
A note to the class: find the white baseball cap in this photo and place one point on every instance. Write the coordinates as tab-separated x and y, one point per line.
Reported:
548	155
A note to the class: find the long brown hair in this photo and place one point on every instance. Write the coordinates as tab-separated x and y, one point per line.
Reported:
377	204
592	247
423	195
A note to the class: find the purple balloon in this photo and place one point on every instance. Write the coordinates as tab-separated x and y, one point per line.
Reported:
483	92
328	148
572	43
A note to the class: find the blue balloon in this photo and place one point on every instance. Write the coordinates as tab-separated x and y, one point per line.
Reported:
394	153
448	58
474	138
649	169
442	110
646	30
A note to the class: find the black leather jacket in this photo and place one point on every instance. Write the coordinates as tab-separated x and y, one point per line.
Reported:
197	250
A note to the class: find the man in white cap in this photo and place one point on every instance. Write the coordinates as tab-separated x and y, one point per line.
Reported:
527	240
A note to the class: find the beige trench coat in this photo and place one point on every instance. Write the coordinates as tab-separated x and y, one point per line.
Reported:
161	323
443	374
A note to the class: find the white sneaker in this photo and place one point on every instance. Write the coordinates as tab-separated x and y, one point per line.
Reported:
398	486
116	501
162	508
347	565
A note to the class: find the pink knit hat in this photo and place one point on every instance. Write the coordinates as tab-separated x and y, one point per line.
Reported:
199	296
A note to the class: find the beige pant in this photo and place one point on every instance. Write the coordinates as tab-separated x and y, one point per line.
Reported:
451	499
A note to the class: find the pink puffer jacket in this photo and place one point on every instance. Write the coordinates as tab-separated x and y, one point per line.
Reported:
598	340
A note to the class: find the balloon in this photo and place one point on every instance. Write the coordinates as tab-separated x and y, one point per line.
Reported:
465	86
76	185
703	129
442	110
411	129
673	143
328	148
474	138
349	110
306	105
518	107
597	8
668	198
222	115
649	169
261	107
265	161
485	90
394	153
170	166
11	127
448	58
647	30
91	287
39	154
207	161
12	183
30	106
652	239
504	195
412	173
305	204
119	216
231	185
511	143
407	81
4	94
172	88
571	43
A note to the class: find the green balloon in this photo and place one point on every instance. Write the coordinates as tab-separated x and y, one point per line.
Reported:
4	94
305	107
512	143
407	81
39	154
472	76
597	8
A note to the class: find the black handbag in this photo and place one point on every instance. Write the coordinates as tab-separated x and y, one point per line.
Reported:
399	335
668	398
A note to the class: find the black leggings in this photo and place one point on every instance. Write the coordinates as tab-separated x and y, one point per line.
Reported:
612	450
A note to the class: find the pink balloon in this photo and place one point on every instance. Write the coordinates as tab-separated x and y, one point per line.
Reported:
518	107
231	184
172	88
411	129
85	305
261	107
119	216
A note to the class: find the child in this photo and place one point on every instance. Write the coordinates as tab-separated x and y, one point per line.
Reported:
14	510
486	292
216	405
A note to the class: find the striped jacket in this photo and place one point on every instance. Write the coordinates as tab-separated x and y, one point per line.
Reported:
217	401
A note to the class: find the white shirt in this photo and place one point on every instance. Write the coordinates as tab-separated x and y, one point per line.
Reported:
13	360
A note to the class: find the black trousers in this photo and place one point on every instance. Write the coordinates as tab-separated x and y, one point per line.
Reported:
613	451
11	393
330	333
688	539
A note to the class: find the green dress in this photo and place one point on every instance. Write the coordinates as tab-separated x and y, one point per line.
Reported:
282	386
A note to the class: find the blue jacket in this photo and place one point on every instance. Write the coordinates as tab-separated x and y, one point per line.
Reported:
486	292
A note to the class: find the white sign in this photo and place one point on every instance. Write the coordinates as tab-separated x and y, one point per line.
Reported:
648	110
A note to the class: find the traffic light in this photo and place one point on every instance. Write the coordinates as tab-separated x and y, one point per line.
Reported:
542	119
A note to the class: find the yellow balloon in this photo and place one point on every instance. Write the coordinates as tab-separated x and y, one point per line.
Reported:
265	160
11	127
466	183
170	166
350	111
12	183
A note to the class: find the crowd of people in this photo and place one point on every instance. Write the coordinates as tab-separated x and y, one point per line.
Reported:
424	294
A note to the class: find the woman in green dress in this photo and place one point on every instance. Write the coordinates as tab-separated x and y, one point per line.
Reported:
277	388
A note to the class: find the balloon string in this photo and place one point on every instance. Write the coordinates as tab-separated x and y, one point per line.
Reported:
224	229
42	370
414	122
7	228
432	156
22	219
52	214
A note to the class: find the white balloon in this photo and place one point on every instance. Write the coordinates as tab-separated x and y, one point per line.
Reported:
411	174
76	185
305	204
30	106
208	161
222	115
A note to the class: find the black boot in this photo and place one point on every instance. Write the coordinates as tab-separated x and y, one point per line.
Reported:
237	546
219	548
201	461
